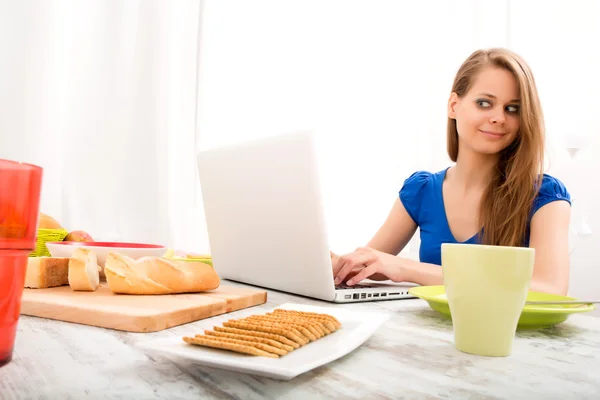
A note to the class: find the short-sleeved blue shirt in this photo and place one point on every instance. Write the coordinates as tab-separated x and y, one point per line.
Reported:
422	198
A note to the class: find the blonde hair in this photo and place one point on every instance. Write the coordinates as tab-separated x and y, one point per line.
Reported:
506	203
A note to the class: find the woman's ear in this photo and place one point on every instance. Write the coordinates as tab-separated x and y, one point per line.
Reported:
452	103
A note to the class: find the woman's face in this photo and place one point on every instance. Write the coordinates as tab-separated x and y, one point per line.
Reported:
487	116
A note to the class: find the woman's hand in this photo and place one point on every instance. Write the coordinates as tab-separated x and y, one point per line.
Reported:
355	271
366	263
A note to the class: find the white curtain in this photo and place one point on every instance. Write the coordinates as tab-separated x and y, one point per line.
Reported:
104	94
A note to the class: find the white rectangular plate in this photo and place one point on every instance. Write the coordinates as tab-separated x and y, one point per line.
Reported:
356	328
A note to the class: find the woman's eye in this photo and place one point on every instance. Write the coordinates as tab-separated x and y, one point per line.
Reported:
484	103
512	109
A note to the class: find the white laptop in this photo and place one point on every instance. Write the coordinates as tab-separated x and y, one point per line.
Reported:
266	223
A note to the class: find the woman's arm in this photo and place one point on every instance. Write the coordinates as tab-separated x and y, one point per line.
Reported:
396	231
424	274
549	236
391	238
369	263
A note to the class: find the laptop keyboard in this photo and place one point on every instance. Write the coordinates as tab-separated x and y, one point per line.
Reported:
344	286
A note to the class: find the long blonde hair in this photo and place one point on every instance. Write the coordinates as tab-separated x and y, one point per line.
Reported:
506	203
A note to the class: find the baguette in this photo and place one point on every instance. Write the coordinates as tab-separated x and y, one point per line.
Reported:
84	272
46	272
156	275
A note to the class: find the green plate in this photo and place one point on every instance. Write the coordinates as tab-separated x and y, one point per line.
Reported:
532	317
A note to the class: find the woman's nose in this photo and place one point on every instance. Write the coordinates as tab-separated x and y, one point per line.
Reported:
498	118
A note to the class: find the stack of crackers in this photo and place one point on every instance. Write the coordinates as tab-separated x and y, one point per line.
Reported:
269	335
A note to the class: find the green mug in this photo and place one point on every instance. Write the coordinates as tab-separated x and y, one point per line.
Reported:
487	289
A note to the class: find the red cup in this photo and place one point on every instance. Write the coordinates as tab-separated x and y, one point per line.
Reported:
20	186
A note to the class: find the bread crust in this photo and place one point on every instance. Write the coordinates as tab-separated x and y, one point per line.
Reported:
157	275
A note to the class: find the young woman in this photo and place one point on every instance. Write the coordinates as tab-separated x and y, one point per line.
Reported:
496	193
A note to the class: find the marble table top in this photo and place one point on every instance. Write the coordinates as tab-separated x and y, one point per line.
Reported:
410	356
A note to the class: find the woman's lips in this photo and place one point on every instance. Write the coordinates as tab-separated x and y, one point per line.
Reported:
494	135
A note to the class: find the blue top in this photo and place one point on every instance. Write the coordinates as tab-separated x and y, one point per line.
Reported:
422	198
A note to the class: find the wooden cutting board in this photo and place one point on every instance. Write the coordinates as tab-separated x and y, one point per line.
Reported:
134	313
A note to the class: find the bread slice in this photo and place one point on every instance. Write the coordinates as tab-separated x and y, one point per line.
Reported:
46	272
84	273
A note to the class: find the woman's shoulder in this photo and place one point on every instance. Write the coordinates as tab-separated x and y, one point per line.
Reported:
552	186
418	189
423	178
550	189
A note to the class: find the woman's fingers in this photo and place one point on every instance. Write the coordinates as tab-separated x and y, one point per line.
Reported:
363	274
340	261
349	262
353	273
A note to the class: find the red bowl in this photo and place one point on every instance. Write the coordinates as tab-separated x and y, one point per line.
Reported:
112	244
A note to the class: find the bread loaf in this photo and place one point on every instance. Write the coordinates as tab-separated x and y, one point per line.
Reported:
47	222
155	275
84	272
45	272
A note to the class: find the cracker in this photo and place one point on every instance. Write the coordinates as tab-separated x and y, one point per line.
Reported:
327	326
318	326
304	314
303	328
321	329
288	333
299	331
251	343
328	317
238	348
314	326
270	342
324	323
286	327
272	336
